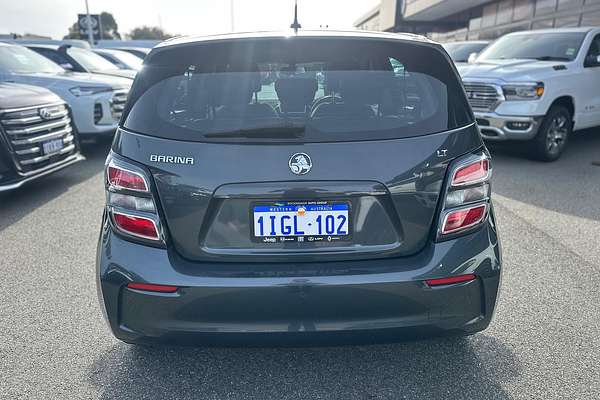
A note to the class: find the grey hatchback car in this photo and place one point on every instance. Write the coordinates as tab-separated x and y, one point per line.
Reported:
291	186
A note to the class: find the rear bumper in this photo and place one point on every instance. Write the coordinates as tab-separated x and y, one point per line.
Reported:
226	302
495	127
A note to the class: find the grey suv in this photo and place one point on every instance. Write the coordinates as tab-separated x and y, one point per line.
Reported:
297	185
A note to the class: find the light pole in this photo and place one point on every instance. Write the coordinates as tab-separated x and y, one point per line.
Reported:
89	24
232	16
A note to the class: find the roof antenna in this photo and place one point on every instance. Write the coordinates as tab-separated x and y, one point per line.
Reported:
295	26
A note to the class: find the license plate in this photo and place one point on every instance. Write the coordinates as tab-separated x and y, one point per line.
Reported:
301	222
52	146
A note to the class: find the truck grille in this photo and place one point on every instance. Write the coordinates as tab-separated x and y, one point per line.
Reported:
482	97
117	104
30	130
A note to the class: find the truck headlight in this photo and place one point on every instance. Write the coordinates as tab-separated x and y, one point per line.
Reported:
523	91
89	90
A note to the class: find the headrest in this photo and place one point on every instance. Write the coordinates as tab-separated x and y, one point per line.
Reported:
234	88
359	86
295	93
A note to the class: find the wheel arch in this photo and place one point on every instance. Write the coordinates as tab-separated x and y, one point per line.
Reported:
566	101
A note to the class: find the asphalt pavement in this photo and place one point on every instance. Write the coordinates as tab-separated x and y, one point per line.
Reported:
544	342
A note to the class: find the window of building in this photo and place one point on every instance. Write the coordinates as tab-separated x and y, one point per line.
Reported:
473	35
489	15
475	23
518	27
591	19
505	11
523	9
569	4
488	35
567	22
543	24
544	6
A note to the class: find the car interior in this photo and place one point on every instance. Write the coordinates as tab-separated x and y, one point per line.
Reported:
298	93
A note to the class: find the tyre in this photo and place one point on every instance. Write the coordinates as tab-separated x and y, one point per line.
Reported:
553	135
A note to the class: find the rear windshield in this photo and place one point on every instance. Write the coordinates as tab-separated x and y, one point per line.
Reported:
296	89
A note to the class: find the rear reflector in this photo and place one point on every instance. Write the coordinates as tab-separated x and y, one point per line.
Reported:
137	226
152	288
472	173
450	280
462	219
124	179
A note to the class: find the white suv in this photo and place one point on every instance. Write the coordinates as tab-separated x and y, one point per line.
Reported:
537	86
96	101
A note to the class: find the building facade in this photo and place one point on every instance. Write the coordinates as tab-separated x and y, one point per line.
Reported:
452	20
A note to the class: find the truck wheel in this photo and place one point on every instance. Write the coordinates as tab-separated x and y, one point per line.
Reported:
553	134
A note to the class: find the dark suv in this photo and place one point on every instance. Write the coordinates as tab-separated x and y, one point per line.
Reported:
301	184
36	135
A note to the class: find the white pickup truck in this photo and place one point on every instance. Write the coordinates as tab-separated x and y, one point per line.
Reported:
537	86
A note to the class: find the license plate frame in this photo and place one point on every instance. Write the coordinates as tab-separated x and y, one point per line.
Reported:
53	146
340	206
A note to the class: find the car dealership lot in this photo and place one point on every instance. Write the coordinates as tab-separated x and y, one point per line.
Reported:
543	343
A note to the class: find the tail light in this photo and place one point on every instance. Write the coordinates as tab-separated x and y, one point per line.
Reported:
129	202
466	204
121	178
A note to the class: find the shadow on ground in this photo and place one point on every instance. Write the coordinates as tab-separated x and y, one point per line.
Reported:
16	204
448	368
565	186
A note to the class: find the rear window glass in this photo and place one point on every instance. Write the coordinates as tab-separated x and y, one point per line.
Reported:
296	89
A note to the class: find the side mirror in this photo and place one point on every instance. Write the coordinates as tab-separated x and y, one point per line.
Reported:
592	61
67	66
472	58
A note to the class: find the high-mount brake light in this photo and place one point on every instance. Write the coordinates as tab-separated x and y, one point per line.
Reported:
136	225
467	196
121	178
129	202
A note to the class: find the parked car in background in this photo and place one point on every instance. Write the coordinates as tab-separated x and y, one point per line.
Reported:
140	52
77	59
84	44
537	86
120	58
36	135
96	101
274	184
461	52
127	43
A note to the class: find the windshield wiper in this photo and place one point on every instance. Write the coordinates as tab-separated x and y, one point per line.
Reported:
550	58
264	132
